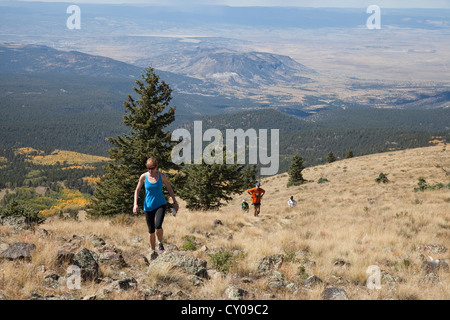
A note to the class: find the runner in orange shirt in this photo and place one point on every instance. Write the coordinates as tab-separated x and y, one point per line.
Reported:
256	194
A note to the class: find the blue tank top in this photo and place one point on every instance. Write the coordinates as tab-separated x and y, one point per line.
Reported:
154	196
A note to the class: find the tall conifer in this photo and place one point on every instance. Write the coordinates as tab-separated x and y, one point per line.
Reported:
147	117
295	171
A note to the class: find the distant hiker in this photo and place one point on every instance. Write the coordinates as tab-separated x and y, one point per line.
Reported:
292	203
256	194
245	206
154	202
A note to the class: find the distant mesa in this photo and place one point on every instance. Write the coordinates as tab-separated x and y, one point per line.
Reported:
233	67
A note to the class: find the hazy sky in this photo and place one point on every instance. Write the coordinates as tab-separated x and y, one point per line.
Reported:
302	3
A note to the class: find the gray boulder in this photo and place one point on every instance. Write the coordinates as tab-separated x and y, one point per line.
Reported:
312	282
269	263
276	281
334	294
16	223
113	259
19	251
88	265
177	260
235	293
125	284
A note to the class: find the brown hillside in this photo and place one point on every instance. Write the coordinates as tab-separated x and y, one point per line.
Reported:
338	229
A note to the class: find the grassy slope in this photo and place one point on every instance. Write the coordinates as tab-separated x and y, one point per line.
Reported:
351	218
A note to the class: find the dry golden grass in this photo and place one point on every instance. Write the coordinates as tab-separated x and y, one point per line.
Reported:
350	218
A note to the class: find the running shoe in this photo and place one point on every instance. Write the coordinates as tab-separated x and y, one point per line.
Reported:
160	247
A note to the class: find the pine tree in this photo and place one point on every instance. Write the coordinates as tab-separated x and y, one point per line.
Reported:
349	154
147	118
295	171
206	186
331	157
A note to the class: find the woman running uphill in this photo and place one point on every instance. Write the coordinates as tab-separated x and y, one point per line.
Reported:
256	194
154	202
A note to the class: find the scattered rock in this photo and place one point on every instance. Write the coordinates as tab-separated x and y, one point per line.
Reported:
292	287
125	284
246	280
64	256
153	293
312	281
183	295
301	254
88	265
217	222
214	274
137	240
196	281
112	259
432	248
3	246
149	292
106	248
177	260
19	251
334	293
337	280
16	223
51	279
430	278
171	247
433	266
43	233
91	297
269	264
386	263
235	293
276	281
341	263
76	241
96	240
64	296
142	260
40	269
390	279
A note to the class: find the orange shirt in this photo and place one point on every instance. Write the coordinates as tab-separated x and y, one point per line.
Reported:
256	194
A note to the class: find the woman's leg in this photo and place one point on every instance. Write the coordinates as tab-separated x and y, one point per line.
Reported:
159	219
150	218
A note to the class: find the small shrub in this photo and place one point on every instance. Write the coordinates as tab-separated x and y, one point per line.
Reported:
189	243
222	261
422	186
322	180
382	178
302	273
